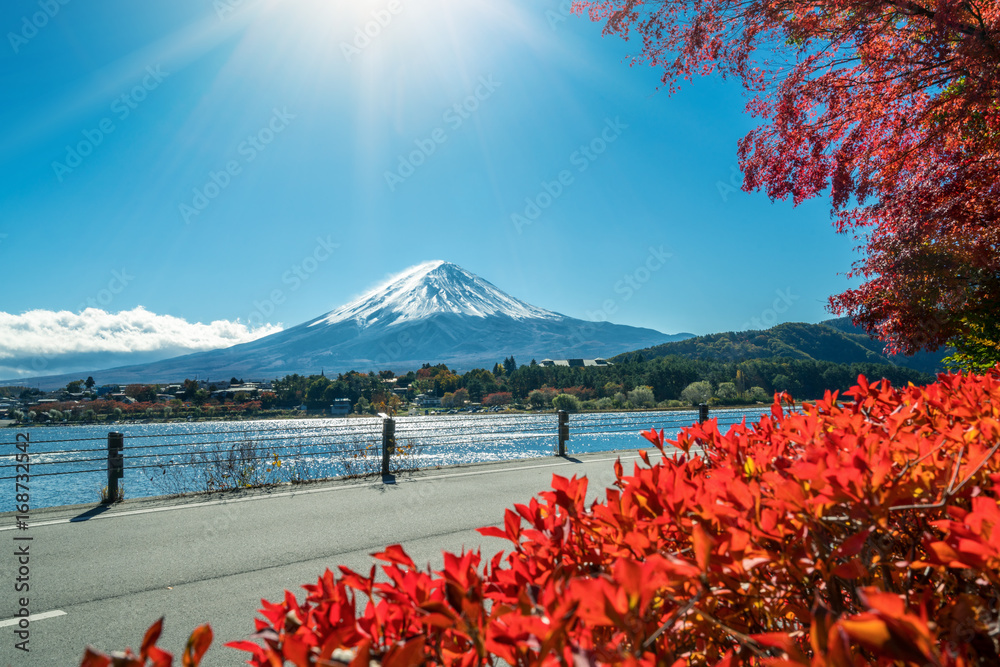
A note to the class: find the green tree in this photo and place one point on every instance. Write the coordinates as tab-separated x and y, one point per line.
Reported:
316	392
479	382
536	398
89	383
200	397
642	397
782	382
143	393
190	388
566	402
697	393
75	387
727	392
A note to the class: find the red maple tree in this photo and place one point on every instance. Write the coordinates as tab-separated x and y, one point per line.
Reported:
891	105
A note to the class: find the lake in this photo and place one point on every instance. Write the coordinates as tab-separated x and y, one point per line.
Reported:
68	463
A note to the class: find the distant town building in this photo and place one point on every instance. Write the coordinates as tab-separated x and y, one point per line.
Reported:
427	401
576	363
341	406
251	389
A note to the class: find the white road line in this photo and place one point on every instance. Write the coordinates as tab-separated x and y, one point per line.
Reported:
33	617
288	494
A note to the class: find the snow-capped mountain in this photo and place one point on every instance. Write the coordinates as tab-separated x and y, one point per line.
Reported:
435	312
429	289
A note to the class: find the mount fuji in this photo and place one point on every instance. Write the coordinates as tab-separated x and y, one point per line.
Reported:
436	312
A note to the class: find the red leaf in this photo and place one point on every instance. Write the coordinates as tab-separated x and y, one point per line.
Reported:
655	437
152	635
410	653
852	546
362	657
93	659
197	644
702	543
249	647
492	531
396	554
512	522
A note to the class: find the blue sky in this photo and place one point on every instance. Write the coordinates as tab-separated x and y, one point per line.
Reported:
197	158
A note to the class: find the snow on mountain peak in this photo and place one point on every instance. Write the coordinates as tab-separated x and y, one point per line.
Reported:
431	288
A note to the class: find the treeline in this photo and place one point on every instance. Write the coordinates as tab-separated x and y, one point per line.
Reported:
836	341
667	378
112	411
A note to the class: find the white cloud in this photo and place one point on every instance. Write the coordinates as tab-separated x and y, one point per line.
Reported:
53	341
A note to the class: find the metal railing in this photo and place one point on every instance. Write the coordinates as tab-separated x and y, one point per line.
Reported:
381	445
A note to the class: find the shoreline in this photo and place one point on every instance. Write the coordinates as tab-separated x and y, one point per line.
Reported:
318	417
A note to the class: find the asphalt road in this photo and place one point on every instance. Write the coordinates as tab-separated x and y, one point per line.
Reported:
101	576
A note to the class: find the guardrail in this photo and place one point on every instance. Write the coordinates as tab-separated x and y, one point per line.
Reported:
226	458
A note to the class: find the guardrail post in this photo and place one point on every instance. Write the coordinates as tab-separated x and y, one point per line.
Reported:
116	464
703	413
563	431
388	441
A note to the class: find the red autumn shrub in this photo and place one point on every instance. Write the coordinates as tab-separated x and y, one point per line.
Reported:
498	398
859	534
582	393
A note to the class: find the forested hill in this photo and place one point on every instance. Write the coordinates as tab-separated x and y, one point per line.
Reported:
836	341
